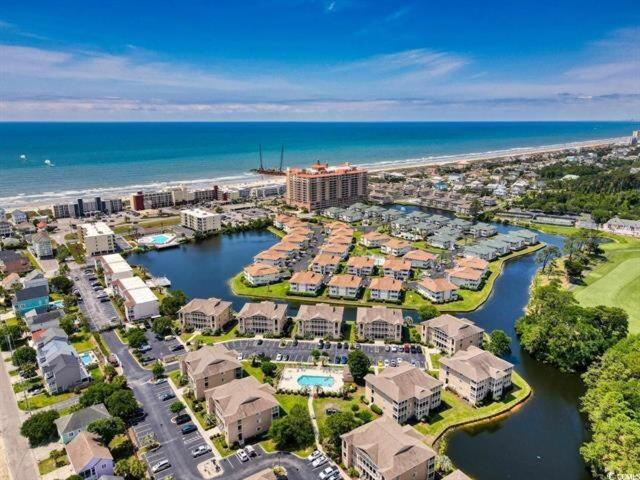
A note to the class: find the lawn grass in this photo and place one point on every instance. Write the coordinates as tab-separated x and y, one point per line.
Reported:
435	360
44	400
160	222
48	465
82	341
221	446
349	331
616	281
21	386
455	412
253	371
288	401
77	252
320	406
211	339
96	374
276	232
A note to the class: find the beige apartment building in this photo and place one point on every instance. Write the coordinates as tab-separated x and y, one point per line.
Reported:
379	323
320	320
321	186
244	408
98	238
450	334
475	374
205	314
403	392
200	220
382	449
345	286
262	317
209	367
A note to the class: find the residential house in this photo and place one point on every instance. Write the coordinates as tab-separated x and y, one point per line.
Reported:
379	323
69	426
205	314
30	299
473	262
244	408
262	317
271	257
18	216
345	286
10	281
88	458
420	259
480	251
482	230
386	289
341	251
320	320
43	320
5	228
291	250
35	278
261	274
500	247
396	247
361	266
39	338
139	303
382	449
530	237
475	374
114	267
325	263
621	226
41	244
437	290
403	392
465	277
441	241
515	242
374	239
61	367
13	262
450	334
397	268
306	283
209	367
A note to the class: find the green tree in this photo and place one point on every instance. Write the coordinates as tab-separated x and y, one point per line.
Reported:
359	365
136	337
427	312
106	428
547	255
121	403
499	343
98	393
130	468
475	209
9	335
62	252
120	446
109	372
67	323
23	356
40	428
162	326
171	303
61	284
336	425
268	368
176	407
293	431
157	370
315	353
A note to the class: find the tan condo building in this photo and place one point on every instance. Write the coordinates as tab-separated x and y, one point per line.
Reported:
379	323
450	334
403	392
321	186
382	449
205	314
244	408
98	238
475	374
209	367
262	317
320	320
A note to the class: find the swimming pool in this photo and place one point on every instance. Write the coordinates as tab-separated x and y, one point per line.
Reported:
315	381
160	239
87	358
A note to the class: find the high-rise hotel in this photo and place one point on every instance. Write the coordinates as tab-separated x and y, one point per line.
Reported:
321	186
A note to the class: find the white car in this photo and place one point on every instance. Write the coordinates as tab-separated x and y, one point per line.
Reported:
278	357
394	348
242	455
161	465
386	362
399	360
321	460
201	450
240	356
160	381
250	451
326	473
315	454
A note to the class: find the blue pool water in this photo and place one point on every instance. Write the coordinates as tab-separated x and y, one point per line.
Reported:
86	358
315	381
160	239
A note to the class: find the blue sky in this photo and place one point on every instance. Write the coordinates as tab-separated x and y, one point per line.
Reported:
319	60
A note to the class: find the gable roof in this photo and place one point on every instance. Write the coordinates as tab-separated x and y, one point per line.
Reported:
476	364
321	311
81	419
384	314
242	398
385	283
404	382
211	360
437	284
210	307
32	292
265	308
83	449
453	327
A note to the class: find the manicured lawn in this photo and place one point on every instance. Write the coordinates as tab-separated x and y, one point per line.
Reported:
49	465
349	331
21	386
44	400
435	360
175	377
222	448
288	401
82	341
77	251
423	246
320	406
96	374
455	411
616	281
269	446
276	232
198	414
253	371
275	290
14	372
211	339
160	222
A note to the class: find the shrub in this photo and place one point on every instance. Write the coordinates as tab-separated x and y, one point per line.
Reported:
375	409
40	428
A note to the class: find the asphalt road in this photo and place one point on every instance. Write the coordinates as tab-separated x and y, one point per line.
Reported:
98	314
297	469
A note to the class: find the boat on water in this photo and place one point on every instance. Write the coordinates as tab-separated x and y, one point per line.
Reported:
262	170
49	163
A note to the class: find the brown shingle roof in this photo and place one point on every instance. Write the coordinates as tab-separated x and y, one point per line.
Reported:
453	327
361	262
473	262
438	284
404	382
476	364
419	255
242	398
385	283
307	278
211	360
265	308
372	314
346	281
465	273
259	269
83	449
397	243
320	310
210	307
326	259
396	264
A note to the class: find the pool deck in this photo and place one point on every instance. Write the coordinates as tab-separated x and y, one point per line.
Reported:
290	375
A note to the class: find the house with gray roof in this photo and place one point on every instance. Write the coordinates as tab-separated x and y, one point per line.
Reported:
480	251
40	338
61	367
514	242
502	248
530	237
71	425
46	319
481	229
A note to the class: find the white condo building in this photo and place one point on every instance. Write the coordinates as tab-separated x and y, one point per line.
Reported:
200	220
98	238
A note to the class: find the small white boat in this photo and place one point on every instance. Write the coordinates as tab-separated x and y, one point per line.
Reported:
49	163
23	157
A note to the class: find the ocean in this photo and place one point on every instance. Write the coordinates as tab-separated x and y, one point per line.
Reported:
106	159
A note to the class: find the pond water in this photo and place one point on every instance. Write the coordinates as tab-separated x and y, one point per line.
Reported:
538	441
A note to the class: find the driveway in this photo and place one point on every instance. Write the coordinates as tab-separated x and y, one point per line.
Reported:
297	469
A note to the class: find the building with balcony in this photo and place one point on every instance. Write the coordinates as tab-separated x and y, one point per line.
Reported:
320	320
201	221
379	323
98	238
209	367
450	334
205	314
262	317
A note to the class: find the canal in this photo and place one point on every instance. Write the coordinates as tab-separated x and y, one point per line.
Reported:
538	441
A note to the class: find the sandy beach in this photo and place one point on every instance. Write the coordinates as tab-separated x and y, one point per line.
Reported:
46	199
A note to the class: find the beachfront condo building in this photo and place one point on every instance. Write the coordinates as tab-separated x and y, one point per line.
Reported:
450	334
210	367
98	238
244	408
200	220
403	392
384	449
262	317
320	321
379	323
320	186
205	314
475	374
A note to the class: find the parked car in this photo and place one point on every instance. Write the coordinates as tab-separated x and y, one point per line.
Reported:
242	455
250	451
345	345
386	362
326	473
161	465
407	348
177	347
394	348
259	341
315	454
201	450
278	357
182	418
188	428
344	360
387	348
144	348
295	342
321	460
167	396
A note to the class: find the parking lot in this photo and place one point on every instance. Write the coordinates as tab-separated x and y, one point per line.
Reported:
302	351
99	314
162	349
173	442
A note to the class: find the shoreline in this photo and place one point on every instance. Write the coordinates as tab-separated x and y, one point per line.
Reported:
46	199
